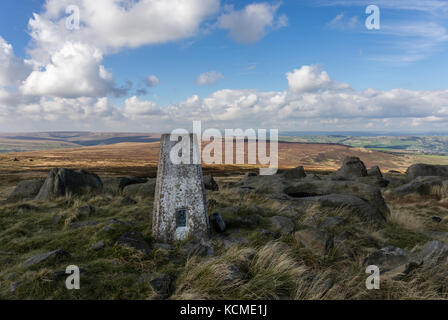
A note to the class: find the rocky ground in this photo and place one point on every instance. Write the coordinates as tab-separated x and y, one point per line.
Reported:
294	235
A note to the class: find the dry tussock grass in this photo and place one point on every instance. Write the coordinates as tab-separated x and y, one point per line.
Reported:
440	192
242	273
405	218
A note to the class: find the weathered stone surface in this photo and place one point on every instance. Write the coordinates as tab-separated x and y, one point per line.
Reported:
62	182
180	207
210	183
282	224
141	190
353	205
119	183
315	240
13	287
369	193
352	168
330	222
434	251
57	255
98	246
426	170
198	248
437	235
375	172
217	222
134	240
387	258
296	173
394	261
420	185
373	181
26	190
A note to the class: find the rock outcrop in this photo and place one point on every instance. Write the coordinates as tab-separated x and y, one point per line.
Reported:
423	186
134	240
296	173
282	224
352	168
210	183
54	256
317	241
141	190
62	182
393	261
353	205
26	190
375	172
426	170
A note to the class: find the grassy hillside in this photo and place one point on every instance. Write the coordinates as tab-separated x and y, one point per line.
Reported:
398	144
262	265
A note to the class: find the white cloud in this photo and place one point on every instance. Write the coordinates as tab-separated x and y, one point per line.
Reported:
74	71
68	63
152	81
313	101
209	78
12	69
135	108
251	24
311	78
113	25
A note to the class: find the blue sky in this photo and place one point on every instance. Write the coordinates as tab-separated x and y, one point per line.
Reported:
342	75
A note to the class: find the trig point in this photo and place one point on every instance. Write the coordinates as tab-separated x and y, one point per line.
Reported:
180	207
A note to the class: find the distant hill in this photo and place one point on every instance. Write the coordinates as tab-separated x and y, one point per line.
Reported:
22	142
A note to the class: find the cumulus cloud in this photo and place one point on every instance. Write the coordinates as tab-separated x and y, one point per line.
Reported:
313	100
311	78
12	69
74	71
152	81
251	23
113	25
136	108
209	78
68	63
